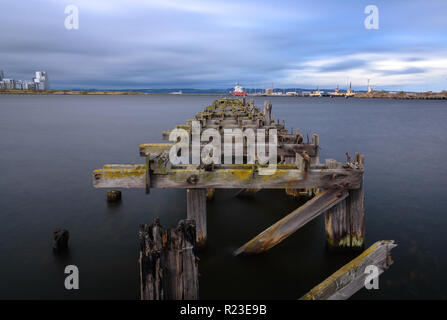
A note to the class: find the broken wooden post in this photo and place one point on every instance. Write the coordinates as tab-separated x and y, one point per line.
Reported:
316	144
267	112
60	240
356	203
292	222
345	223
113	195
168	262
351	277
148	175
302	162
225	177
196	210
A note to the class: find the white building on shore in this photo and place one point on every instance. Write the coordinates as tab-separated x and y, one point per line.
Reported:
39	82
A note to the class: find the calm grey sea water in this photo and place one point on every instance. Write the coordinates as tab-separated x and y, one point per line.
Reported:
49	146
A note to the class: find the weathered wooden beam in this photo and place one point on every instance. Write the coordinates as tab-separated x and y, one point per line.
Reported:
300	163
267	112
168	262
60	240
292	222
283	136
227	177
333	164
351	277
154	148
284	149
196	210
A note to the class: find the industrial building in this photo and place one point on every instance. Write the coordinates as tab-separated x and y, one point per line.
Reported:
39	82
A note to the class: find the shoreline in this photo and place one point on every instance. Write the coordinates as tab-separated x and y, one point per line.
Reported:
361	95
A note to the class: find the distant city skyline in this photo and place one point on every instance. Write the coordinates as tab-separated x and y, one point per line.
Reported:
138	44
39	82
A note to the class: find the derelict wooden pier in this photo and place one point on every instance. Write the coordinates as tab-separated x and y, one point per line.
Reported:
336	187
298	168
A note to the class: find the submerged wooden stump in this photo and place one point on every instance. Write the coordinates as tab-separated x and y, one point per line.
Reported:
60	240
168	262
113	195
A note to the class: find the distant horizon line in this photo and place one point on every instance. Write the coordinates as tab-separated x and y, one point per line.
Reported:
227	90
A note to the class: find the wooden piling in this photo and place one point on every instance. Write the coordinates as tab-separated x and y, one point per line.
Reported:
60	240
302	162
196	210
168	262
148	175
226	177
356	203
316	144
345	223
113	195
268	112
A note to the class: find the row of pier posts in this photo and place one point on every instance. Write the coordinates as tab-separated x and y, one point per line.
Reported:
168	260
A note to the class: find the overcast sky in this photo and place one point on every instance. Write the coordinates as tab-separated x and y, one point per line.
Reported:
213	44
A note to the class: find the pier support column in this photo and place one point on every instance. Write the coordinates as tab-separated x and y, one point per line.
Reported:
303	163
356	203
345	223
196	210
267	113
316	143
337	227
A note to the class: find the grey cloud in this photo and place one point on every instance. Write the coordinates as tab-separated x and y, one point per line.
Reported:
344	65
148	48
412	70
